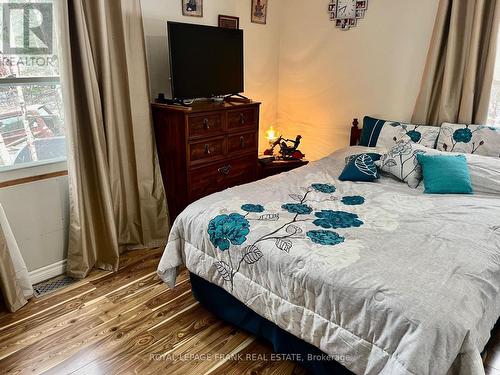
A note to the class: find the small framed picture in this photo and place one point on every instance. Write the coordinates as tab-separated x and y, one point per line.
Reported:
259	11
360	13
229	22
342	23
361	4
352	22
193	8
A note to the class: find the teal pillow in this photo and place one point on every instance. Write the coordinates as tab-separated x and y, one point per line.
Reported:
445	174
360	168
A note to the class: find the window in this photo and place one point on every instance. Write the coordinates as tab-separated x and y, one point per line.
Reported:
494	108
31	109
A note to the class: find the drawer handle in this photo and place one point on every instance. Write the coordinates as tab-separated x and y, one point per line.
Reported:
225	169
206	125
242	118
207	149
242	142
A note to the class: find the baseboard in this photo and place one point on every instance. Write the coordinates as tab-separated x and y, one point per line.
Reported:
47	272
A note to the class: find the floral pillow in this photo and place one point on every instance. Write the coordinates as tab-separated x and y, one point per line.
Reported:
401	161
470	139
393	132
360	168
382	133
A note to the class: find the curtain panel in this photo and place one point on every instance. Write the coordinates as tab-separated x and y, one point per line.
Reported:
15	283
117	200
456	84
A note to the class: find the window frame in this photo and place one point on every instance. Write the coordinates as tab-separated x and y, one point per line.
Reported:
33	169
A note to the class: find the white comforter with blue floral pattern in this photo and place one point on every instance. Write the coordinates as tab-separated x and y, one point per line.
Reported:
378	275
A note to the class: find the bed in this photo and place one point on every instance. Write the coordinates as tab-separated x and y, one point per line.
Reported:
379	276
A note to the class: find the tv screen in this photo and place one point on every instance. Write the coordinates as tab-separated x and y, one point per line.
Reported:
205	61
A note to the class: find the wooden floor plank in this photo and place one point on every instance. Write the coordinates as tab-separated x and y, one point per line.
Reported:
129	322
63	304
127	337
26	334
172	335
199	354
140	292
110	283
254	359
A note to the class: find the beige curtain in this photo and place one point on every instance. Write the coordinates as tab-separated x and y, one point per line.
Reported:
117	199
457	80
15	284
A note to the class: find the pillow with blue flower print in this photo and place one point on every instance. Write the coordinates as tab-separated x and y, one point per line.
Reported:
470	139
360	168
382	133
401	162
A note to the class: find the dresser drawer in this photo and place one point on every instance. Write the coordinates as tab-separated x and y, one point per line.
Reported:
242	118
207	150
219	176
205	125
242	142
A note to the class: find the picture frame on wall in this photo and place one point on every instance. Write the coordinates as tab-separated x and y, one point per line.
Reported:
192	8
361	4
259	11
229	22
360	13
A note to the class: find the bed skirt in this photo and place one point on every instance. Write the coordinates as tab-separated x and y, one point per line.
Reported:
233	311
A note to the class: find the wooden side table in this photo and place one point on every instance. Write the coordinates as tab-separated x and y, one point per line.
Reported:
272	168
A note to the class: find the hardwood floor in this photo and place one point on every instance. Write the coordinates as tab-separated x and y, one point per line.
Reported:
129	322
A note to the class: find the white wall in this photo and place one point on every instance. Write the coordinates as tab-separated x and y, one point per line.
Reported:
38	215
328	76
261	43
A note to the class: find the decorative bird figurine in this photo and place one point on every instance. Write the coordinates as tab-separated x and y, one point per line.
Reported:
287	151
291	151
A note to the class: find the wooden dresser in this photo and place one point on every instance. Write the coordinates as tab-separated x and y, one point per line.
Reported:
205	148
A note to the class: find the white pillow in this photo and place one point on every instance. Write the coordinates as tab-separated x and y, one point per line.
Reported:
469	139
393	132
401	161
484	174
484	171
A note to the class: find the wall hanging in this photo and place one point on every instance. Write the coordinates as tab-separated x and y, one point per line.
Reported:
346	13
229	22
192	8
259	11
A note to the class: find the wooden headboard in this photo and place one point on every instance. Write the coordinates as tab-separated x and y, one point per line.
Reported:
355	133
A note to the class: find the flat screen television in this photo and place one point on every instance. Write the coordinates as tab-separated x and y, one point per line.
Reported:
205	61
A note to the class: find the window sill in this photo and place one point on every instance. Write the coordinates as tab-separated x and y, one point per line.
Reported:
28	170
